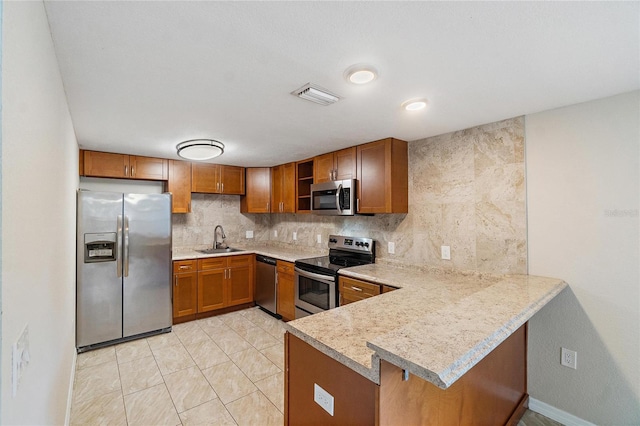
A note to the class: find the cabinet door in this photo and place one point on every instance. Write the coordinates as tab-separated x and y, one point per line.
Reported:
106	164
383	178
345	163
148	168
185	299
288	183
322	168
352	290
205	178
211	289
276	189
179	185
240	285
258	191
285	298
231	180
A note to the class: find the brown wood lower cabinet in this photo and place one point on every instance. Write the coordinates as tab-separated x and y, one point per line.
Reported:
220	282
354	396
286	291
493	392
185	288
352	290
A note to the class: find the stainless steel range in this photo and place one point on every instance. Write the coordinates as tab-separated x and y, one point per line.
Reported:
316	278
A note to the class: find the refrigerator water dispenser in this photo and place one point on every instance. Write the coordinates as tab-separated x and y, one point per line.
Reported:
100	247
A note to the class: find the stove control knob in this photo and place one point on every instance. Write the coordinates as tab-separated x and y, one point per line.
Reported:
358	243
366	245
333	240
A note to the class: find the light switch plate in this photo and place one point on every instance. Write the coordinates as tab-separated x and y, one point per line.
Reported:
391	247
295	235
323	398
20	358
445	251
249	234
319	238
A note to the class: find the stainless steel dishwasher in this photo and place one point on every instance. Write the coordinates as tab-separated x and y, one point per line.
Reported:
266	284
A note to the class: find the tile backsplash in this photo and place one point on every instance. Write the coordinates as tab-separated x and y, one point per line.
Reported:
466	191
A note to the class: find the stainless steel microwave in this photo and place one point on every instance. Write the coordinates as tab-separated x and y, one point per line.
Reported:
335	198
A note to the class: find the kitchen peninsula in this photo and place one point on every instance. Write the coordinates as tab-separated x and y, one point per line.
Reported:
429	352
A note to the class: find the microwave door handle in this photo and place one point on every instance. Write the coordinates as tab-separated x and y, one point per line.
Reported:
338	192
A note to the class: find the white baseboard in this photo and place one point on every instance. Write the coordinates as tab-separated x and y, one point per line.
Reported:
556	414
72	378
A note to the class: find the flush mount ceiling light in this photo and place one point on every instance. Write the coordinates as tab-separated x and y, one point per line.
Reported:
361	74
316	94
200	149
414	104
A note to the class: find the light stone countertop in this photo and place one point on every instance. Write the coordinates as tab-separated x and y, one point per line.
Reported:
286	254
437	326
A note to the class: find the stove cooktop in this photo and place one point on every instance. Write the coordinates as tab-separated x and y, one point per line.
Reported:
344	252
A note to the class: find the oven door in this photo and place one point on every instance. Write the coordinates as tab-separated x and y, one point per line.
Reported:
314	292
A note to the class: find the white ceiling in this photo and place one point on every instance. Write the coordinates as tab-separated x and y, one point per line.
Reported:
142	76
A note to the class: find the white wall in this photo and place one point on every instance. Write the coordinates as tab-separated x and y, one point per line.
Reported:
39	166
583	185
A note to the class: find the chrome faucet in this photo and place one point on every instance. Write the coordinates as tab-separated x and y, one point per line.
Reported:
216	244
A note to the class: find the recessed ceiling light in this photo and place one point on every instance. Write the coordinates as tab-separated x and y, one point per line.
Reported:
200	149
361	74
414	104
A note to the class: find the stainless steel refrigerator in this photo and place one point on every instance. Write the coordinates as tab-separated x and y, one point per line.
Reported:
123	281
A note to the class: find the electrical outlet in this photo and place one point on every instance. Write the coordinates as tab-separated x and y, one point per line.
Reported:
391	247
323	398
445	252
249	234
295	235
319	238
569	358
20	358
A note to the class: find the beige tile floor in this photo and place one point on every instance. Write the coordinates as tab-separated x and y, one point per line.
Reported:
223	370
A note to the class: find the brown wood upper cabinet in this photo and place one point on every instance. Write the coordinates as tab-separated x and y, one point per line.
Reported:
383	178
337	165
107	164
283	188
217	179
257	198
179	184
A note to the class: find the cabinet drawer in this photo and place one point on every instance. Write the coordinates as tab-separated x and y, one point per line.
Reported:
212	263
240	260
184	266
284	267
364	289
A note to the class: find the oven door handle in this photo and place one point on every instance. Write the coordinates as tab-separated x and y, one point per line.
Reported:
312	275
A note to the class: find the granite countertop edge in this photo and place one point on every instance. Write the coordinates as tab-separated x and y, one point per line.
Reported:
454	368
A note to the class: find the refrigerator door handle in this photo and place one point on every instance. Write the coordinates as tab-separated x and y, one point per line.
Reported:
126	246
119	248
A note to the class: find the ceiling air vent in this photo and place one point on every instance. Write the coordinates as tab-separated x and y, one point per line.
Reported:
316	94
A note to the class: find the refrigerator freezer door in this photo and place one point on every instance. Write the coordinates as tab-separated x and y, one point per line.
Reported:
99	289
147	265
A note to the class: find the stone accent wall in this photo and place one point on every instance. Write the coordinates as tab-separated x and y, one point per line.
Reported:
195	229
466	190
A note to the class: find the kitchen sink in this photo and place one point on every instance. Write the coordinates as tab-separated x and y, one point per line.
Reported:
219	250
